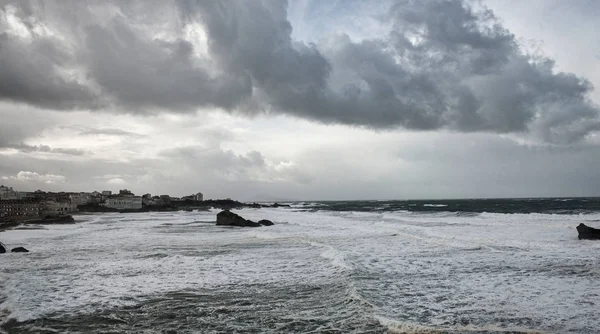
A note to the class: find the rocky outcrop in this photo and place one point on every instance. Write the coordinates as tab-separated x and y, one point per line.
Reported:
265	222
586	232
14	250
250	223
228	218
61	219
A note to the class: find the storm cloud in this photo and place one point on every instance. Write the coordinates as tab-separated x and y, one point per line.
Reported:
447	64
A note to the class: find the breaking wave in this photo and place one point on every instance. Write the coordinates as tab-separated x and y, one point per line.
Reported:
363	271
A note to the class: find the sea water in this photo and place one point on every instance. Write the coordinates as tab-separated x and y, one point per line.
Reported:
319	269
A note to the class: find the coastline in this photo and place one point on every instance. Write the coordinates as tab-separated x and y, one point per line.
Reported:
10	224
223	204
94	209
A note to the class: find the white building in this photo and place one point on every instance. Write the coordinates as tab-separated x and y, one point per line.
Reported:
124	203
7	193
4	189
199	197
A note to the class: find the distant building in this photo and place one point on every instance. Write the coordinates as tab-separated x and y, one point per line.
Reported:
97	197
20	208
7	193
124	203
100	197
81	198
53	208
157	201
199	197
38	194
147	199
125	192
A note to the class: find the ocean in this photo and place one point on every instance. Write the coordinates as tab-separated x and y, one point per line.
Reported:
455	266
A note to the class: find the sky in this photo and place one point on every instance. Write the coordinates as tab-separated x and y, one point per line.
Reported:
302	100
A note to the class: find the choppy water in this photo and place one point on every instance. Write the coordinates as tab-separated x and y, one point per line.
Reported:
315	271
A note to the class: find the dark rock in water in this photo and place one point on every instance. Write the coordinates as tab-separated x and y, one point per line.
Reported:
586	232
250	223
60	219
2	248
277	205
19	250
228	218
265	222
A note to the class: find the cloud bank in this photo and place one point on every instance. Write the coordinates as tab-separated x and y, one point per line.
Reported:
444	64
26	176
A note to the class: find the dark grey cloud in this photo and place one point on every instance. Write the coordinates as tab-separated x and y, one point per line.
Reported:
32	68
445	64
144	73
253	39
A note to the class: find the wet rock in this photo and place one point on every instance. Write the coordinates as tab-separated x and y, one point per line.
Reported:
2	248
586	232
265	222
228	218
19	250
250	223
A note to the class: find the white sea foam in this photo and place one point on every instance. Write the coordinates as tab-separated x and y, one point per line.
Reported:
399	327
429	272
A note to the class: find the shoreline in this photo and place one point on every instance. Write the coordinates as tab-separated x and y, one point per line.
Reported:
9	224
182	206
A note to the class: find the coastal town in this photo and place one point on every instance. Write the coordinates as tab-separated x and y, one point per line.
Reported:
44	207
41	205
